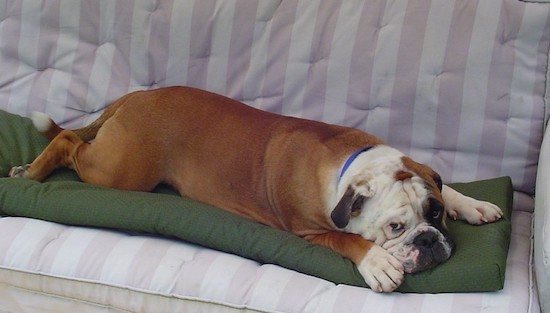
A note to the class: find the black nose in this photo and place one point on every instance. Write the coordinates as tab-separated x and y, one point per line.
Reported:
426	239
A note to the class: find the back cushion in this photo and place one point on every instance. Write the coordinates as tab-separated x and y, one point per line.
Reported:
458	85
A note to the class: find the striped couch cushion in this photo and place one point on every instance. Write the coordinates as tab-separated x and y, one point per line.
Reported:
45	265
459	85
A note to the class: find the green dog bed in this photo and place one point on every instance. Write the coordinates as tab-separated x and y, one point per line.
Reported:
478	264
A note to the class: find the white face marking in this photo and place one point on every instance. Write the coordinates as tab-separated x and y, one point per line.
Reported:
376	160
402	210
392	215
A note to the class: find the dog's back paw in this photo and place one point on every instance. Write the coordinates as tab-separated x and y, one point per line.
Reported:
19	171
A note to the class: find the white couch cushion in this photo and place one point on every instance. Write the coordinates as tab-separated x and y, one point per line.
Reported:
542	224
94	270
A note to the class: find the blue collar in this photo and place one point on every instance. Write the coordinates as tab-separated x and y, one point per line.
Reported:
352	158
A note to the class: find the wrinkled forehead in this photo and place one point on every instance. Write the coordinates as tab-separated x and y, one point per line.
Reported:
432	180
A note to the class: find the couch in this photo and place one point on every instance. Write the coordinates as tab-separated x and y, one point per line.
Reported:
461	86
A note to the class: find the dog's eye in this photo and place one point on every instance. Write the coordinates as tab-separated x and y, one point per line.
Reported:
436	214
395	227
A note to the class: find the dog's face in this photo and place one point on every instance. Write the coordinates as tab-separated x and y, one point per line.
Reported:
396	203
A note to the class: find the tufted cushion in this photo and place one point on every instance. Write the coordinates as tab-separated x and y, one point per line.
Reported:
455	85
542	225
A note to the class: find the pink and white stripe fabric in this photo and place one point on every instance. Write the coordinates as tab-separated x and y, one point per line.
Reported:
457	84
85	270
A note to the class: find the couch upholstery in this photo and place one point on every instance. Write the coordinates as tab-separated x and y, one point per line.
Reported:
459	85
542	224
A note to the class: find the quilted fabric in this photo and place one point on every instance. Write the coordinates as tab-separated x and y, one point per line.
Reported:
542	225
70	269
456	85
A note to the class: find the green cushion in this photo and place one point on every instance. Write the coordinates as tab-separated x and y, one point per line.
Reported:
19	141
478	264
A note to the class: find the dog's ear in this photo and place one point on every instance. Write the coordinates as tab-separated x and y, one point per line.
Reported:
350	205
437	180
422	171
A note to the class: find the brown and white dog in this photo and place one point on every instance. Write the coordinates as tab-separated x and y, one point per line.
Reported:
332	185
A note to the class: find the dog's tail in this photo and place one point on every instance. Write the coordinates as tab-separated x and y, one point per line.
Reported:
45	125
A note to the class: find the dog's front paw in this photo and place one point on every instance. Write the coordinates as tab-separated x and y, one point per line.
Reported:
19	171
381	271
476	212
469	209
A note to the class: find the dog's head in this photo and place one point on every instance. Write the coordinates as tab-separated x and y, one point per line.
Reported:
395	202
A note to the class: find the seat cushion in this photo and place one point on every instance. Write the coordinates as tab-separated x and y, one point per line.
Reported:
478	264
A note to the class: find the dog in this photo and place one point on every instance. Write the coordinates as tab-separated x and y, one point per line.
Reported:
334	186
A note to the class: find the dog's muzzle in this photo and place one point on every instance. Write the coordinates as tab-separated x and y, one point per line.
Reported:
424	248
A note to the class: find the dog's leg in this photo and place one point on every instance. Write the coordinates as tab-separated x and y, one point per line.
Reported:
471	210
381	271
58	153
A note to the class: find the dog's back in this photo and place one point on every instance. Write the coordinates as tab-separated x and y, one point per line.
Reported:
210	148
